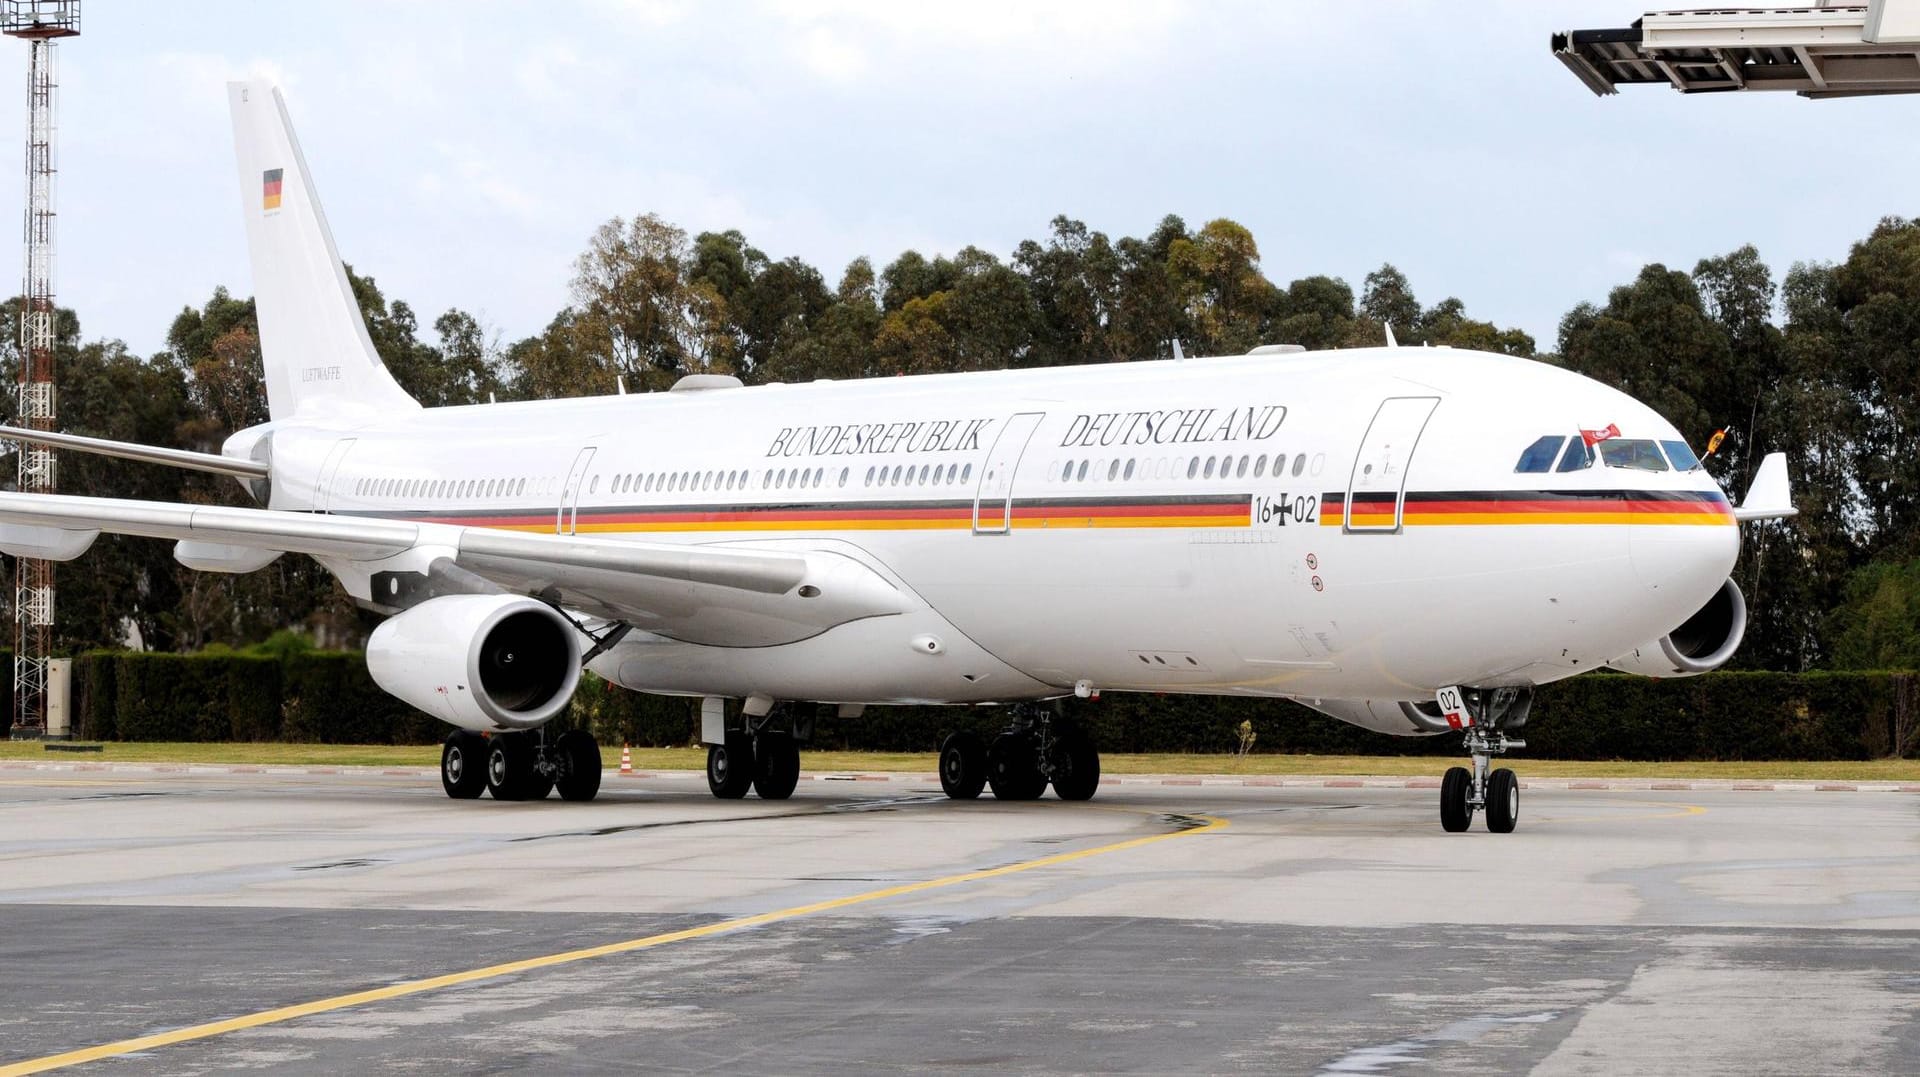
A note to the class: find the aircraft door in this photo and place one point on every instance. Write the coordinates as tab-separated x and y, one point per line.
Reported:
993	500
1377	488
323	490
568	516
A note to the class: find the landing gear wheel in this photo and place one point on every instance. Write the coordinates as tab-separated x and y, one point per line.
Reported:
510	767
1076	769
463	765
963	766
776	765
1456	804
579	759
730	767
1503	801
1013	768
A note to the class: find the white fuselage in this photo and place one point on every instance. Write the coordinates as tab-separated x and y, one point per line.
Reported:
1174	527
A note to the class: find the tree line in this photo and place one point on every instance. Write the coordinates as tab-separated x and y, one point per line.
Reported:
1823	364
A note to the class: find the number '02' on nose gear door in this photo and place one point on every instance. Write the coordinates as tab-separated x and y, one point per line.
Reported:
1377	489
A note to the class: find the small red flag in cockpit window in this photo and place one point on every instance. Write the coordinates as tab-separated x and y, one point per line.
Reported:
1595	437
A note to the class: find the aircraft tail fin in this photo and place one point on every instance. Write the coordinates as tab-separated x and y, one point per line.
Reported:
319	359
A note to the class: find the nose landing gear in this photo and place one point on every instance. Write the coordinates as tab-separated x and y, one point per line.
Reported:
1497	792
1463	791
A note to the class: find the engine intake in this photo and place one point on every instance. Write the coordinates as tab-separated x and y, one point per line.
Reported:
1702	643
480	662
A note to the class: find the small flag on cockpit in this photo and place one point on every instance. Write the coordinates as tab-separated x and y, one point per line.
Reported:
1713	443
1595	437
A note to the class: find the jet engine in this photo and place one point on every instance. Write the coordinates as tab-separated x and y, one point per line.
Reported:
480	662
1701	644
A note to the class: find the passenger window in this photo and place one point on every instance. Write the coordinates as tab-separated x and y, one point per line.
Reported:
1113	470
845	474
1130	463
1640	454
1081	475
953	474
1682	456
1299	465
1537	458
1579	456
1209	472
869	476
1260	465
966	473
896	474
1241	472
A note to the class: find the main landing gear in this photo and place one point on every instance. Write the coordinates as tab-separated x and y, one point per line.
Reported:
763	756
1497	792
1034	751
520	766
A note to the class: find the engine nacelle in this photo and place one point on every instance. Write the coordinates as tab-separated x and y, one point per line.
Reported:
1702	644
480	662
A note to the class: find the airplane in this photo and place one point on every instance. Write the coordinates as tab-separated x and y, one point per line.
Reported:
1407	539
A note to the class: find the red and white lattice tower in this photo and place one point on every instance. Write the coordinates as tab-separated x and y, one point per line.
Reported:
40	23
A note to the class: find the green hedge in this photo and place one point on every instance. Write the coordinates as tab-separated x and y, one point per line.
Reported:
328	697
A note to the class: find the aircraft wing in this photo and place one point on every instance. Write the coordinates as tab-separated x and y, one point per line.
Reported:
721	595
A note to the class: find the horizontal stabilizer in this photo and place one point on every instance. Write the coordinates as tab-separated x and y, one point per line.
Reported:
1771	495
152	454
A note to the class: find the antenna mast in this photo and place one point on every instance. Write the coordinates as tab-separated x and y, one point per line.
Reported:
40	23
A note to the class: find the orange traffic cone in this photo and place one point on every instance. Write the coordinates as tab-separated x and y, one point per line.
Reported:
626	760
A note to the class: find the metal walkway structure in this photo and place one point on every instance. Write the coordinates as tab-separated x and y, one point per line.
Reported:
1815	50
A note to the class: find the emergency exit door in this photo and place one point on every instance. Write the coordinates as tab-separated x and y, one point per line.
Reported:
565	520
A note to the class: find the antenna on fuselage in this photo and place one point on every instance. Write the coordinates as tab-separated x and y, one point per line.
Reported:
1388	326
620	383
1178	355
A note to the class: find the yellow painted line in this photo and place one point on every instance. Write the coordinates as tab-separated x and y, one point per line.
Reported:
455	979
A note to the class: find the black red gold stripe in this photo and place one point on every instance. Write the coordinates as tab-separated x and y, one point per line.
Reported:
1427	508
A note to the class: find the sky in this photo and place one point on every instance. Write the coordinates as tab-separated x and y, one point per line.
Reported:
465	151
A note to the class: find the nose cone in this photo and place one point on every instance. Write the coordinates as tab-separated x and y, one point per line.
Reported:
1681	565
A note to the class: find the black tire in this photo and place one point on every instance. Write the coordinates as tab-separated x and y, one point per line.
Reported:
509	766
730	767
1012	769
579	765
776	765
1503	801
463	765
963	766
1455	813
1076	769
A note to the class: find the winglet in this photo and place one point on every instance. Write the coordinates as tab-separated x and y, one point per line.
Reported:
1771	495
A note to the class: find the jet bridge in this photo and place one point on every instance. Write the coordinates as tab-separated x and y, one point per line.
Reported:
1815	50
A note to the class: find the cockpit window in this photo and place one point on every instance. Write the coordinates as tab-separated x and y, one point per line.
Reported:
1579	456
1538	457
1638	453
1682	456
